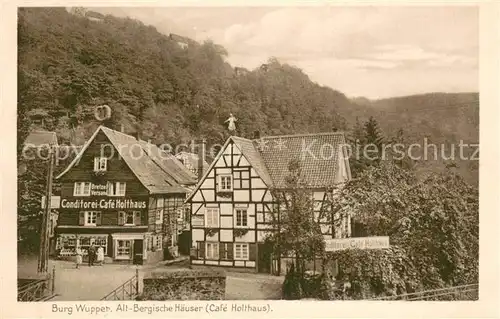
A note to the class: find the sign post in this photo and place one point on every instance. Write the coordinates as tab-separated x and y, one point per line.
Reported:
379	242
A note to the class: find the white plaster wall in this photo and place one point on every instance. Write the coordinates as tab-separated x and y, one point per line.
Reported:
198	235
226	235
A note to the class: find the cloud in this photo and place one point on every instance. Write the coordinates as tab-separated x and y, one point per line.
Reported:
354	49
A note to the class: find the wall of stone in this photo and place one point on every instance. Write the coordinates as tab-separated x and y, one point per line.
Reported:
184	284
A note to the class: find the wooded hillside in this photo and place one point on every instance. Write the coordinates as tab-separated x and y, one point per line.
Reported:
171	94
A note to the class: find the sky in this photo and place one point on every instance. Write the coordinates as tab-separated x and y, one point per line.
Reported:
368	51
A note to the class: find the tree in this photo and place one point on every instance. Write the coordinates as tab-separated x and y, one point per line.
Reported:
297	231
435	221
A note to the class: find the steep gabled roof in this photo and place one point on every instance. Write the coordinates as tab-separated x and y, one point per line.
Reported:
318	155
40	138
157	175
249	149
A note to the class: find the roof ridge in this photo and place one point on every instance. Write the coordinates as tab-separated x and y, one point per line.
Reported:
241	138
303	135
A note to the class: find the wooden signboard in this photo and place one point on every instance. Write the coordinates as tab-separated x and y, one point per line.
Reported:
379	242
55	202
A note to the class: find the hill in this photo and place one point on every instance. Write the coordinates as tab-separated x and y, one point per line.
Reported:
166	90
172	89
442	119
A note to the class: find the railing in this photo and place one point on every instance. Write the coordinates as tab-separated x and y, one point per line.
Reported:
129	290
38	290
464	292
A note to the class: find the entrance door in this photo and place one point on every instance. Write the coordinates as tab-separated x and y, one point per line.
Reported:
185	243
138	252
264	262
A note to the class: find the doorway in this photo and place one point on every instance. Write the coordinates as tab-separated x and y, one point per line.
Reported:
138	252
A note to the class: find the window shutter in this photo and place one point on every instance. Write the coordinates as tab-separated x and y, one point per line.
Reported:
137	218
121	218
251	251
230	251
98	218
201	250
81	218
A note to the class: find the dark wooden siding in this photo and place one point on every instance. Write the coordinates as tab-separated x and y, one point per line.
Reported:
117	169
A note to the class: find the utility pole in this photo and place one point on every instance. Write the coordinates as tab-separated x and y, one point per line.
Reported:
43	257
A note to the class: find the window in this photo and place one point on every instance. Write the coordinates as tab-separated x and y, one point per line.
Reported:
159	210
116	189
81	189
91	218
212	217
212	251
129	218
123	249
241	217
225	183
86	241
100	164
226	251
241	251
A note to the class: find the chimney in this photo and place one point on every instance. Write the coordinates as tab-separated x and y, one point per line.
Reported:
201	158
334	129
256	135
122	128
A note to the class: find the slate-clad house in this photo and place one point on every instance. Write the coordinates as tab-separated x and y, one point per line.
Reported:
122	193
231	204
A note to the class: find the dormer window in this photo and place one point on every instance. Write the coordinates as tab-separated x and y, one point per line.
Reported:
226	183
100	164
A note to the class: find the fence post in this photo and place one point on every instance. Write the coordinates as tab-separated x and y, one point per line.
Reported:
53	279
137	281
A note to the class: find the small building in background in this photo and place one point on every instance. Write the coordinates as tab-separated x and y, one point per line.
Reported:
191	161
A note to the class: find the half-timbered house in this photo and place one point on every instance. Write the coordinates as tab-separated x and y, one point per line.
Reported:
231	206
123	194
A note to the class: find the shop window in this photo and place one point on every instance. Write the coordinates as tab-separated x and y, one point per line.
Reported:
123	249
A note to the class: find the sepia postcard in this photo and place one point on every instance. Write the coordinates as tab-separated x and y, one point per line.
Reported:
188	159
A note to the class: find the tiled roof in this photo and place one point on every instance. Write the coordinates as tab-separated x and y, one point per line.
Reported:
40	138
169	163
158	175
318	155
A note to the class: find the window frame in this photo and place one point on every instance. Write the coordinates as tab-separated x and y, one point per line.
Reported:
212	210
126	216
235	251
98	164
240	209
213	256
80	186
88	213
231	188
159	210
115	187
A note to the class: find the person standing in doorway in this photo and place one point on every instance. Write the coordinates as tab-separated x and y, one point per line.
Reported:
91	254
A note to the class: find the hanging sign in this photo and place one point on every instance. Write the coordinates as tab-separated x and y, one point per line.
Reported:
54	202
379	242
